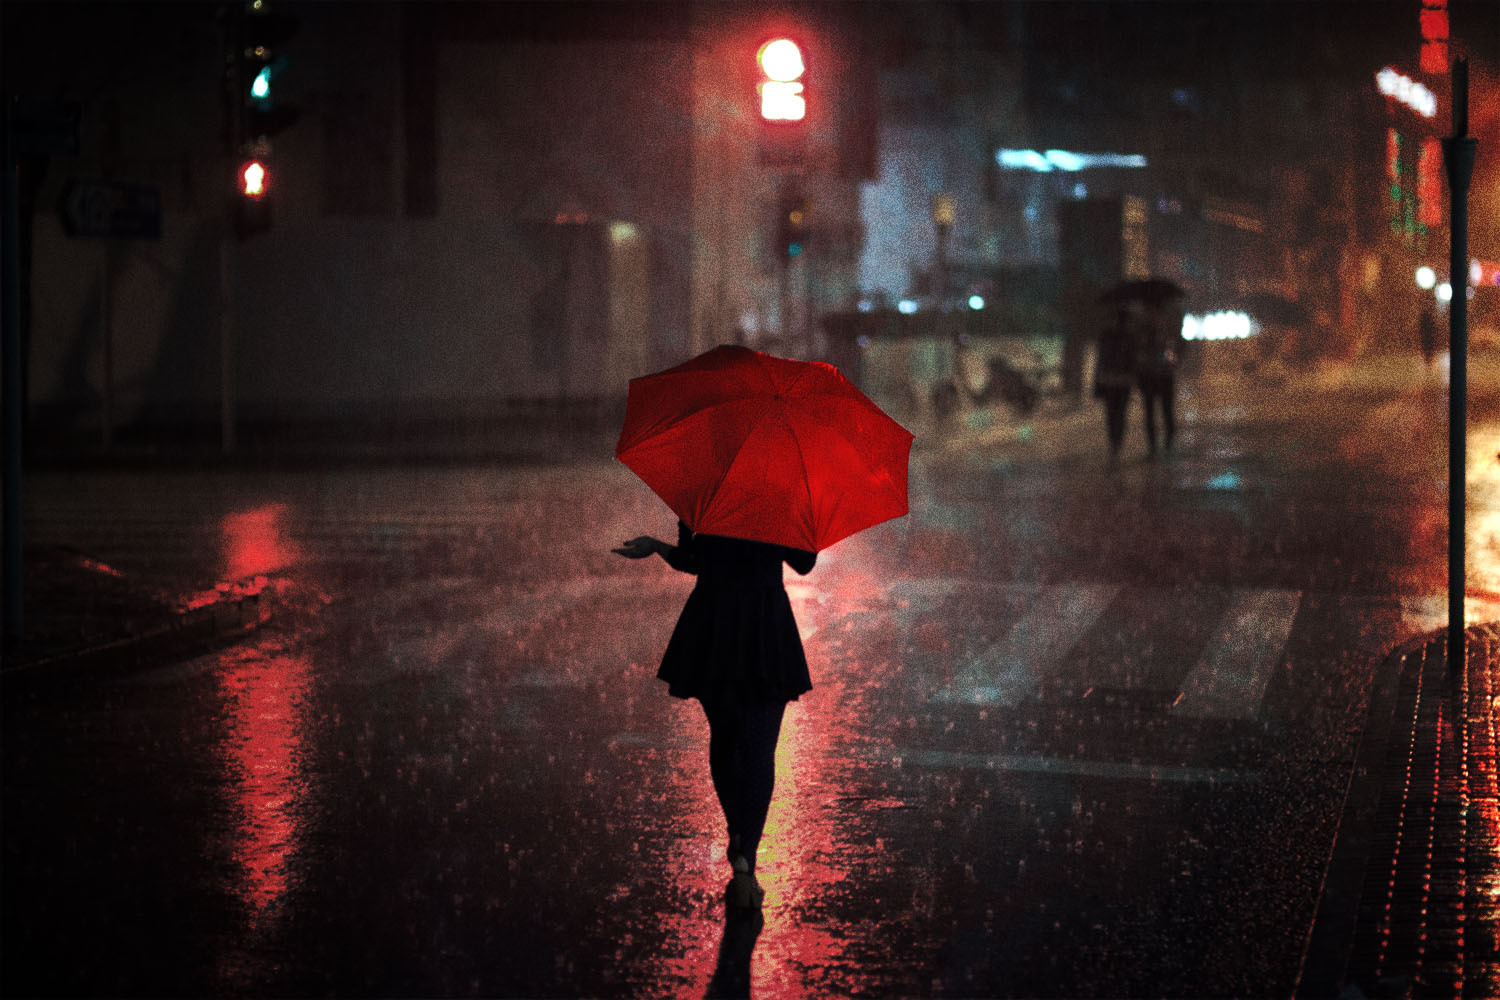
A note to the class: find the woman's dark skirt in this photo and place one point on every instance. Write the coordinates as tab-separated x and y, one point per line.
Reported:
736	642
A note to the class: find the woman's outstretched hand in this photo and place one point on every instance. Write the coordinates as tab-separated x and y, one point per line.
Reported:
640	548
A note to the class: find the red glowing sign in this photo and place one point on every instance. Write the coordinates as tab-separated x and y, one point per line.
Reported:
1430	183
1434	23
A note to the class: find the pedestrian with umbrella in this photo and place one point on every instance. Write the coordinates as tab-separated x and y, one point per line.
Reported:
766	461
1114	376
1158	347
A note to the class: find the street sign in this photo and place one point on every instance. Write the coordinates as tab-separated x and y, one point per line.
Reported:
119	209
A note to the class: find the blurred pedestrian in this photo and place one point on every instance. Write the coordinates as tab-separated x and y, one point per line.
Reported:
736	648
1427	329
1156	374
1114	374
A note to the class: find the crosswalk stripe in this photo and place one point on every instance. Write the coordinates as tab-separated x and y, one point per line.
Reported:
1032	764
1230	678
1010	670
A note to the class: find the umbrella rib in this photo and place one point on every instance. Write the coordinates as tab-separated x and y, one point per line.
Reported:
760	419
802	457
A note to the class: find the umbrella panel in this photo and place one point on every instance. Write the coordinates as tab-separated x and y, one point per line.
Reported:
805	461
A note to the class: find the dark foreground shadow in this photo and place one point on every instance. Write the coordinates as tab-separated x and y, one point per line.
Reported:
732	972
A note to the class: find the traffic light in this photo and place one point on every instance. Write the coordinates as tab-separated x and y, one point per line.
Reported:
252	202
259	34
263	32
791	227
781	90
781	102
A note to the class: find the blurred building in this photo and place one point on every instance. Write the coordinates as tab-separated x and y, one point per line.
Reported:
481	206
488	205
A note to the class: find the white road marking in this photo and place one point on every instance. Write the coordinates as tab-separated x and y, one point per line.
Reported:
1230	678
1011	670
1028	764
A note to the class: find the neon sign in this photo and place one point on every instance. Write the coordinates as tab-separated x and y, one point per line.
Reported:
1061	159
1434	23
1408	91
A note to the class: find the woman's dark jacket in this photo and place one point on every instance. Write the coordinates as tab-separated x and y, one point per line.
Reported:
736	636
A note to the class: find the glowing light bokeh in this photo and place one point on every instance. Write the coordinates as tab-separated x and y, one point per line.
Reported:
1402	88
782	101
781	60
253	179
781	96
1224	325
1426	278
1064	160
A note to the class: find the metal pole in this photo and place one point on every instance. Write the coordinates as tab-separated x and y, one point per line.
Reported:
1458	155
226	349
12	374
106	335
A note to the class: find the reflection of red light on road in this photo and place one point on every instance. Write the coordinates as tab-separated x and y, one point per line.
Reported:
100	567
263	741
255	542
798	852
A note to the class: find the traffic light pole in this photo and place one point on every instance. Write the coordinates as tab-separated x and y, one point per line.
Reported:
226	347
1458	155
10	360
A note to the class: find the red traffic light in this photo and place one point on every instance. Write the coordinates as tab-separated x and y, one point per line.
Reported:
781	92
254	179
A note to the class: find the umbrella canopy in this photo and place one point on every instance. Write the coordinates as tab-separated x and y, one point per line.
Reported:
749	445
1153	291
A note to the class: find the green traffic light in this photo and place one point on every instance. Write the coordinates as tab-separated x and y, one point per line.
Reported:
260	89
794	249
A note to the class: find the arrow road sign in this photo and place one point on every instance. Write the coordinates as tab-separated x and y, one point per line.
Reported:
118	209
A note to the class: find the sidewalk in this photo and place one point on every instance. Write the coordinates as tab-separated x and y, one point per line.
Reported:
1411	901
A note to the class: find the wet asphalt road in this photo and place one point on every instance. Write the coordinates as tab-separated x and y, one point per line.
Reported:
1075	731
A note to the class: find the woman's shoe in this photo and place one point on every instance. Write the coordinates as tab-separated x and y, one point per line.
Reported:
743	892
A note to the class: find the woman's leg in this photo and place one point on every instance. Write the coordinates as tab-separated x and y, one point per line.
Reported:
761	732
742	759
723	739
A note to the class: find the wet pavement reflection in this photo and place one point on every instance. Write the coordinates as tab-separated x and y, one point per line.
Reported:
1028	766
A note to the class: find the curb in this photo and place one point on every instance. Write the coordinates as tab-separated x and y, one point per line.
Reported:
186	634
1408	906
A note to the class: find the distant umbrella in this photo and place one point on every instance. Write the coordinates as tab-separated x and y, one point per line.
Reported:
1269	309
1152	291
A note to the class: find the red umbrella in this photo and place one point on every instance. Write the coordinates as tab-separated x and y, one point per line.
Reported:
748	445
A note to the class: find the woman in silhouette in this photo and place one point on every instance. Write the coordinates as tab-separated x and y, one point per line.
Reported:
736	648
